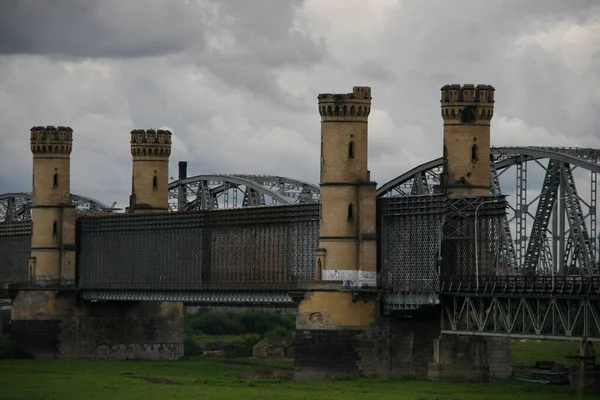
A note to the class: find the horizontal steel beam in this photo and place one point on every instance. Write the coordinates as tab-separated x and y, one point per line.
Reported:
521	336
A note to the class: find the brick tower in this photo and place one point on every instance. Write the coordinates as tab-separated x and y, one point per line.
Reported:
347	246
467	111
150	150
332	323
52	261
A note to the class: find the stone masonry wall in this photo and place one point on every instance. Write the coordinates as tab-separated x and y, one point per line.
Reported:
48	326
460	358
411	345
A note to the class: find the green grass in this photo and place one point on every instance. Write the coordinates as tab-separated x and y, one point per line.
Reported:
222	379
528	351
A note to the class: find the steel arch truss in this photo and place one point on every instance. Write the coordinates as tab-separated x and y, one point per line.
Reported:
17	206
550	230
210	192
569	317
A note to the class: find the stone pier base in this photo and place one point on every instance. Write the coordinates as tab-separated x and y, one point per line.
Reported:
47	324
338	335
411	342
470	358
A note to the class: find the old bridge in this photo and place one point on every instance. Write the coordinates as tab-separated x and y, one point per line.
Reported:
248	240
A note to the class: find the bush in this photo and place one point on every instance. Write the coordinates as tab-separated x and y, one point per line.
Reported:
11	350
214	323
280	332
190	348
222	323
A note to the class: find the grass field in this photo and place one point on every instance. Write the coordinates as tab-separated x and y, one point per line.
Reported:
527	352
221	378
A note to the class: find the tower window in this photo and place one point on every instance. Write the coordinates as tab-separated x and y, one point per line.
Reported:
55	180
319	268
474	153
351	150
154	183
350	212
54	228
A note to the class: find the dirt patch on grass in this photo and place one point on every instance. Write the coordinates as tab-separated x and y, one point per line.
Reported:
163	381
236	362
270	373
38	371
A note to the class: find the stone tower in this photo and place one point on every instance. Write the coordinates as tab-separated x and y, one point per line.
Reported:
347	240
467	111
150	181
337	317
52	261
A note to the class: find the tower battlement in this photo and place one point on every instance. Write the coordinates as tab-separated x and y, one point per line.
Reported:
150	142
467	104
51	141
355	106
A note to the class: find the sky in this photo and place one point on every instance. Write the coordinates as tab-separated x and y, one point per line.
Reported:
237	81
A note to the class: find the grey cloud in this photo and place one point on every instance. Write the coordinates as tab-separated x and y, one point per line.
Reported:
98	28
237	82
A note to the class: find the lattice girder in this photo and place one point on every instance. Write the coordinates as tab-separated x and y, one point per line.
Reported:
535	317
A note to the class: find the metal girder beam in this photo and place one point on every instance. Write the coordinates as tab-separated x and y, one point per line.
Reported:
577	224
420	186
508	246
507	156
552	153
17	205
207	196
570	318
206	298
521	210
537	239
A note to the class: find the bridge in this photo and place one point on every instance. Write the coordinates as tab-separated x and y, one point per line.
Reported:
497	255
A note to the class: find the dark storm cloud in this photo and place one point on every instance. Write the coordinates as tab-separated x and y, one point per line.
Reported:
99	28
237	80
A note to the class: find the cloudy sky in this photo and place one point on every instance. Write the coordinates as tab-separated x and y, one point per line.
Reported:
237	80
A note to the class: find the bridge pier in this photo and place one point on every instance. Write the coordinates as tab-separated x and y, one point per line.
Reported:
470	358
50	324
338	334
587	377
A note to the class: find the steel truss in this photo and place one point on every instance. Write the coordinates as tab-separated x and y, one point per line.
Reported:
15	241
410	234
472	235
551	232
571	317
17	206
260	250
210	192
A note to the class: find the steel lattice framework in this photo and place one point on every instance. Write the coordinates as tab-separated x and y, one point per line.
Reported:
17	206
210	192
551	229
245	256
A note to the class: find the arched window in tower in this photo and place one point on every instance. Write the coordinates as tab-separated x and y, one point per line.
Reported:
351	150
350	212
319	268
154	183
54	228
55	180
474	153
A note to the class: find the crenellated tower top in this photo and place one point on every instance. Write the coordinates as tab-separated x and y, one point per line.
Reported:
467	104
150	144
51	141
354	106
